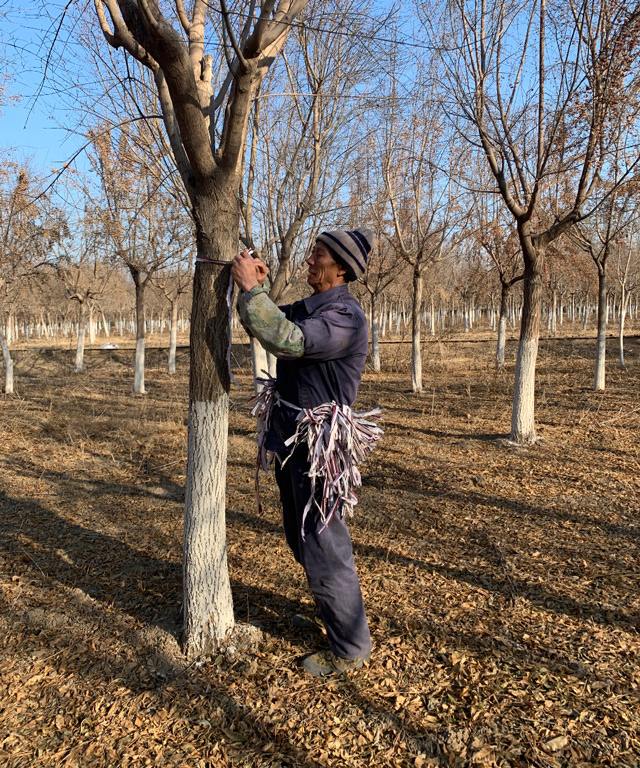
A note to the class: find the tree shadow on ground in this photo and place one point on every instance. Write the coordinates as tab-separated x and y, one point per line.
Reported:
110	571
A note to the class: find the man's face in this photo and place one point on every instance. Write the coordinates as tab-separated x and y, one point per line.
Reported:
324	270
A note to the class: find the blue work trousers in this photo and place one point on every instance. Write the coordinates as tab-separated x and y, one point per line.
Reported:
327	558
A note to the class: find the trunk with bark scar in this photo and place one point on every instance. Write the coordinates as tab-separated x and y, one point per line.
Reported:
416	355
208	605
601	341
523	414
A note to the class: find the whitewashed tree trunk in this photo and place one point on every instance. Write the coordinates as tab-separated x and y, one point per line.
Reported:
601	340
138	372
502	327
624	302
523	414
432	319
8	365
78	366
375	340
416	354
92	326
9	328
173	338
259	363
105	325
140	328
208	605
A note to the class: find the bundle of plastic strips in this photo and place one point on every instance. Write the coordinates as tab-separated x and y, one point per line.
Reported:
338	441
262	409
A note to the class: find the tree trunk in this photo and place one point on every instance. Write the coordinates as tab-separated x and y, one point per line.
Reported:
416	355
375	340
173	338
601	341
8	365
502	326
523	415
208	605
624	301
105	326
259	362
138	373
78	366
92	327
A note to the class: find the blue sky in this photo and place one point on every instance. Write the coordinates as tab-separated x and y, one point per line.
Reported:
30	121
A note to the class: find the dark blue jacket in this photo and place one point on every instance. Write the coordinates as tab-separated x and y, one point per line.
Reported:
335	350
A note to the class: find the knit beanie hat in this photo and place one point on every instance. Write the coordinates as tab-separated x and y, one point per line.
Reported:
350	248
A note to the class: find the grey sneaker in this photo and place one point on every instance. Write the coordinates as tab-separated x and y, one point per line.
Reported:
327	663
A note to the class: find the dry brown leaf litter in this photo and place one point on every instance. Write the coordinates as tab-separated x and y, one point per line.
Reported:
501	582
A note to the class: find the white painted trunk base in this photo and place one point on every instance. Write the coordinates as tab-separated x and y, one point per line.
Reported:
208	605
173	340
8	366
138	374
501	342
259	363
78	366
523	429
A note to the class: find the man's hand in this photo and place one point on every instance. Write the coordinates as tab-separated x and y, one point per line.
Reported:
248	272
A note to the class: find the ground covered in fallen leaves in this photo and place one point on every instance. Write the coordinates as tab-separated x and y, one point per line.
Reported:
501	582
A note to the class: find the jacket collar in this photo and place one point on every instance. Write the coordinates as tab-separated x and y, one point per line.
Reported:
318	299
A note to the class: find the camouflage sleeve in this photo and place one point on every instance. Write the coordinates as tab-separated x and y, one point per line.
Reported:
264	320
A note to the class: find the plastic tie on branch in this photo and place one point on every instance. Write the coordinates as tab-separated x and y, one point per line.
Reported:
338	441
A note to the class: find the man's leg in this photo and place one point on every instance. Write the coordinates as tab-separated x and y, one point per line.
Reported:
327	558
289	516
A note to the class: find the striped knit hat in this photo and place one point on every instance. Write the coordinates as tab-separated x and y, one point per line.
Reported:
350	248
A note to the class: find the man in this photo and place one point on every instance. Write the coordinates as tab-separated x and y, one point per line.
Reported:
321	346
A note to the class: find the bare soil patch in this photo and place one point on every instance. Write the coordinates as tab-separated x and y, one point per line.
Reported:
501	583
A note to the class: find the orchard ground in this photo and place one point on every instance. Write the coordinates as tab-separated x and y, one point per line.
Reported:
501	582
